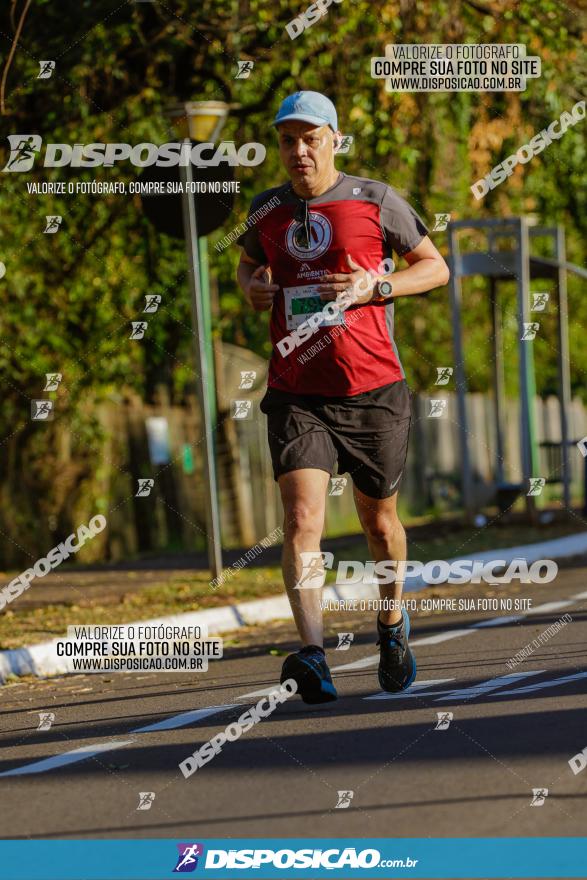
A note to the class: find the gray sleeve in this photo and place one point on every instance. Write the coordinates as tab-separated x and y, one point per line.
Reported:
402	227
249	239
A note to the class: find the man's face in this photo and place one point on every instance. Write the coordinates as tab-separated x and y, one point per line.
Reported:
306	151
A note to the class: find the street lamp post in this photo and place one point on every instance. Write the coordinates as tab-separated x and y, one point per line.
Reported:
202	121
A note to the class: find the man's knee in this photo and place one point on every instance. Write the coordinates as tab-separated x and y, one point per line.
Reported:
383	528
303	517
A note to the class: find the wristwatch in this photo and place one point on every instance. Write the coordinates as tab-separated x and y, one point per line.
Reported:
384	291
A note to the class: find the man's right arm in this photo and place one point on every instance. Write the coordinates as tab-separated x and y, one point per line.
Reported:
255	282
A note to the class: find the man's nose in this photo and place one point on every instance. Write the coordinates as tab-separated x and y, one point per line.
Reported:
300	148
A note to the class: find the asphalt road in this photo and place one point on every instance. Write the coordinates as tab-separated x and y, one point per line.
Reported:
507	737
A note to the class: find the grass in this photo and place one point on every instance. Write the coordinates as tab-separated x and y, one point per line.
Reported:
175	595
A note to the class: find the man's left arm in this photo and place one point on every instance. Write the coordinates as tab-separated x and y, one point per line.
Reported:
426	270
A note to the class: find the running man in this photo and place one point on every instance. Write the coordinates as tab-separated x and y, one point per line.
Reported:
337	395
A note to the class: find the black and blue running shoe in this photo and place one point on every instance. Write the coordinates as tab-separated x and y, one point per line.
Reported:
397	664
310	671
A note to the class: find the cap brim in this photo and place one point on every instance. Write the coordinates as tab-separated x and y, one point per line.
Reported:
301	117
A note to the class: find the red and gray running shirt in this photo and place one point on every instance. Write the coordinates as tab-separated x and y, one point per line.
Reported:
364	218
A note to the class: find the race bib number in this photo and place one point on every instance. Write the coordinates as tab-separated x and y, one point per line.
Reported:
301	302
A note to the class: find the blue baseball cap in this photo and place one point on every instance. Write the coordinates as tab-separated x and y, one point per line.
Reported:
308	107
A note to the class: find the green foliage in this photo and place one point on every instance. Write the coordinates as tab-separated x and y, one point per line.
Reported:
68	299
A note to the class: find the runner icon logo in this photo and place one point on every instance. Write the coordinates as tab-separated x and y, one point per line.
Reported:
539	795
314	563
344	641
444	719
146	799
344	800
188	857
23	150
46	719
337	485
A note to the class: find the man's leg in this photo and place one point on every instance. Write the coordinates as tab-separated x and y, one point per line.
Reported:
304	499
303	493
386	538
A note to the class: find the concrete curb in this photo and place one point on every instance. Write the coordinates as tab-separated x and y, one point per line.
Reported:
41	660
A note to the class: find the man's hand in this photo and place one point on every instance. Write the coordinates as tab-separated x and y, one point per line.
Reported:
260	291
357	282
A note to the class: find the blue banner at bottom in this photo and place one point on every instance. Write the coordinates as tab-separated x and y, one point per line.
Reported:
288	858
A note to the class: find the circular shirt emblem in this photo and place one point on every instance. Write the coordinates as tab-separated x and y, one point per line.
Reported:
320	237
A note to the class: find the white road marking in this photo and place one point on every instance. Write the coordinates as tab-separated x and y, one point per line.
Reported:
383	695
457	633
183	719
530	688
85	752
426	640
67	758
497	621
550	606
264	692
493	684
443	637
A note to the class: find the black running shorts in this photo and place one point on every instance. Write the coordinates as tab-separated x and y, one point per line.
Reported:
366	435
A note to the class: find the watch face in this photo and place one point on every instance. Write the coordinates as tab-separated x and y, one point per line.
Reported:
385	288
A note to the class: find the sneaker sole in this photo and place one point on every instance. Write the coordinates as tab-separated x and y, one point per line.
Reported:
311	688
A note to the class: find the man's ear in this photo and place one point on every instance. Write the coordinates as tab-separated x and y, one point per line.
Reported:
336	141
